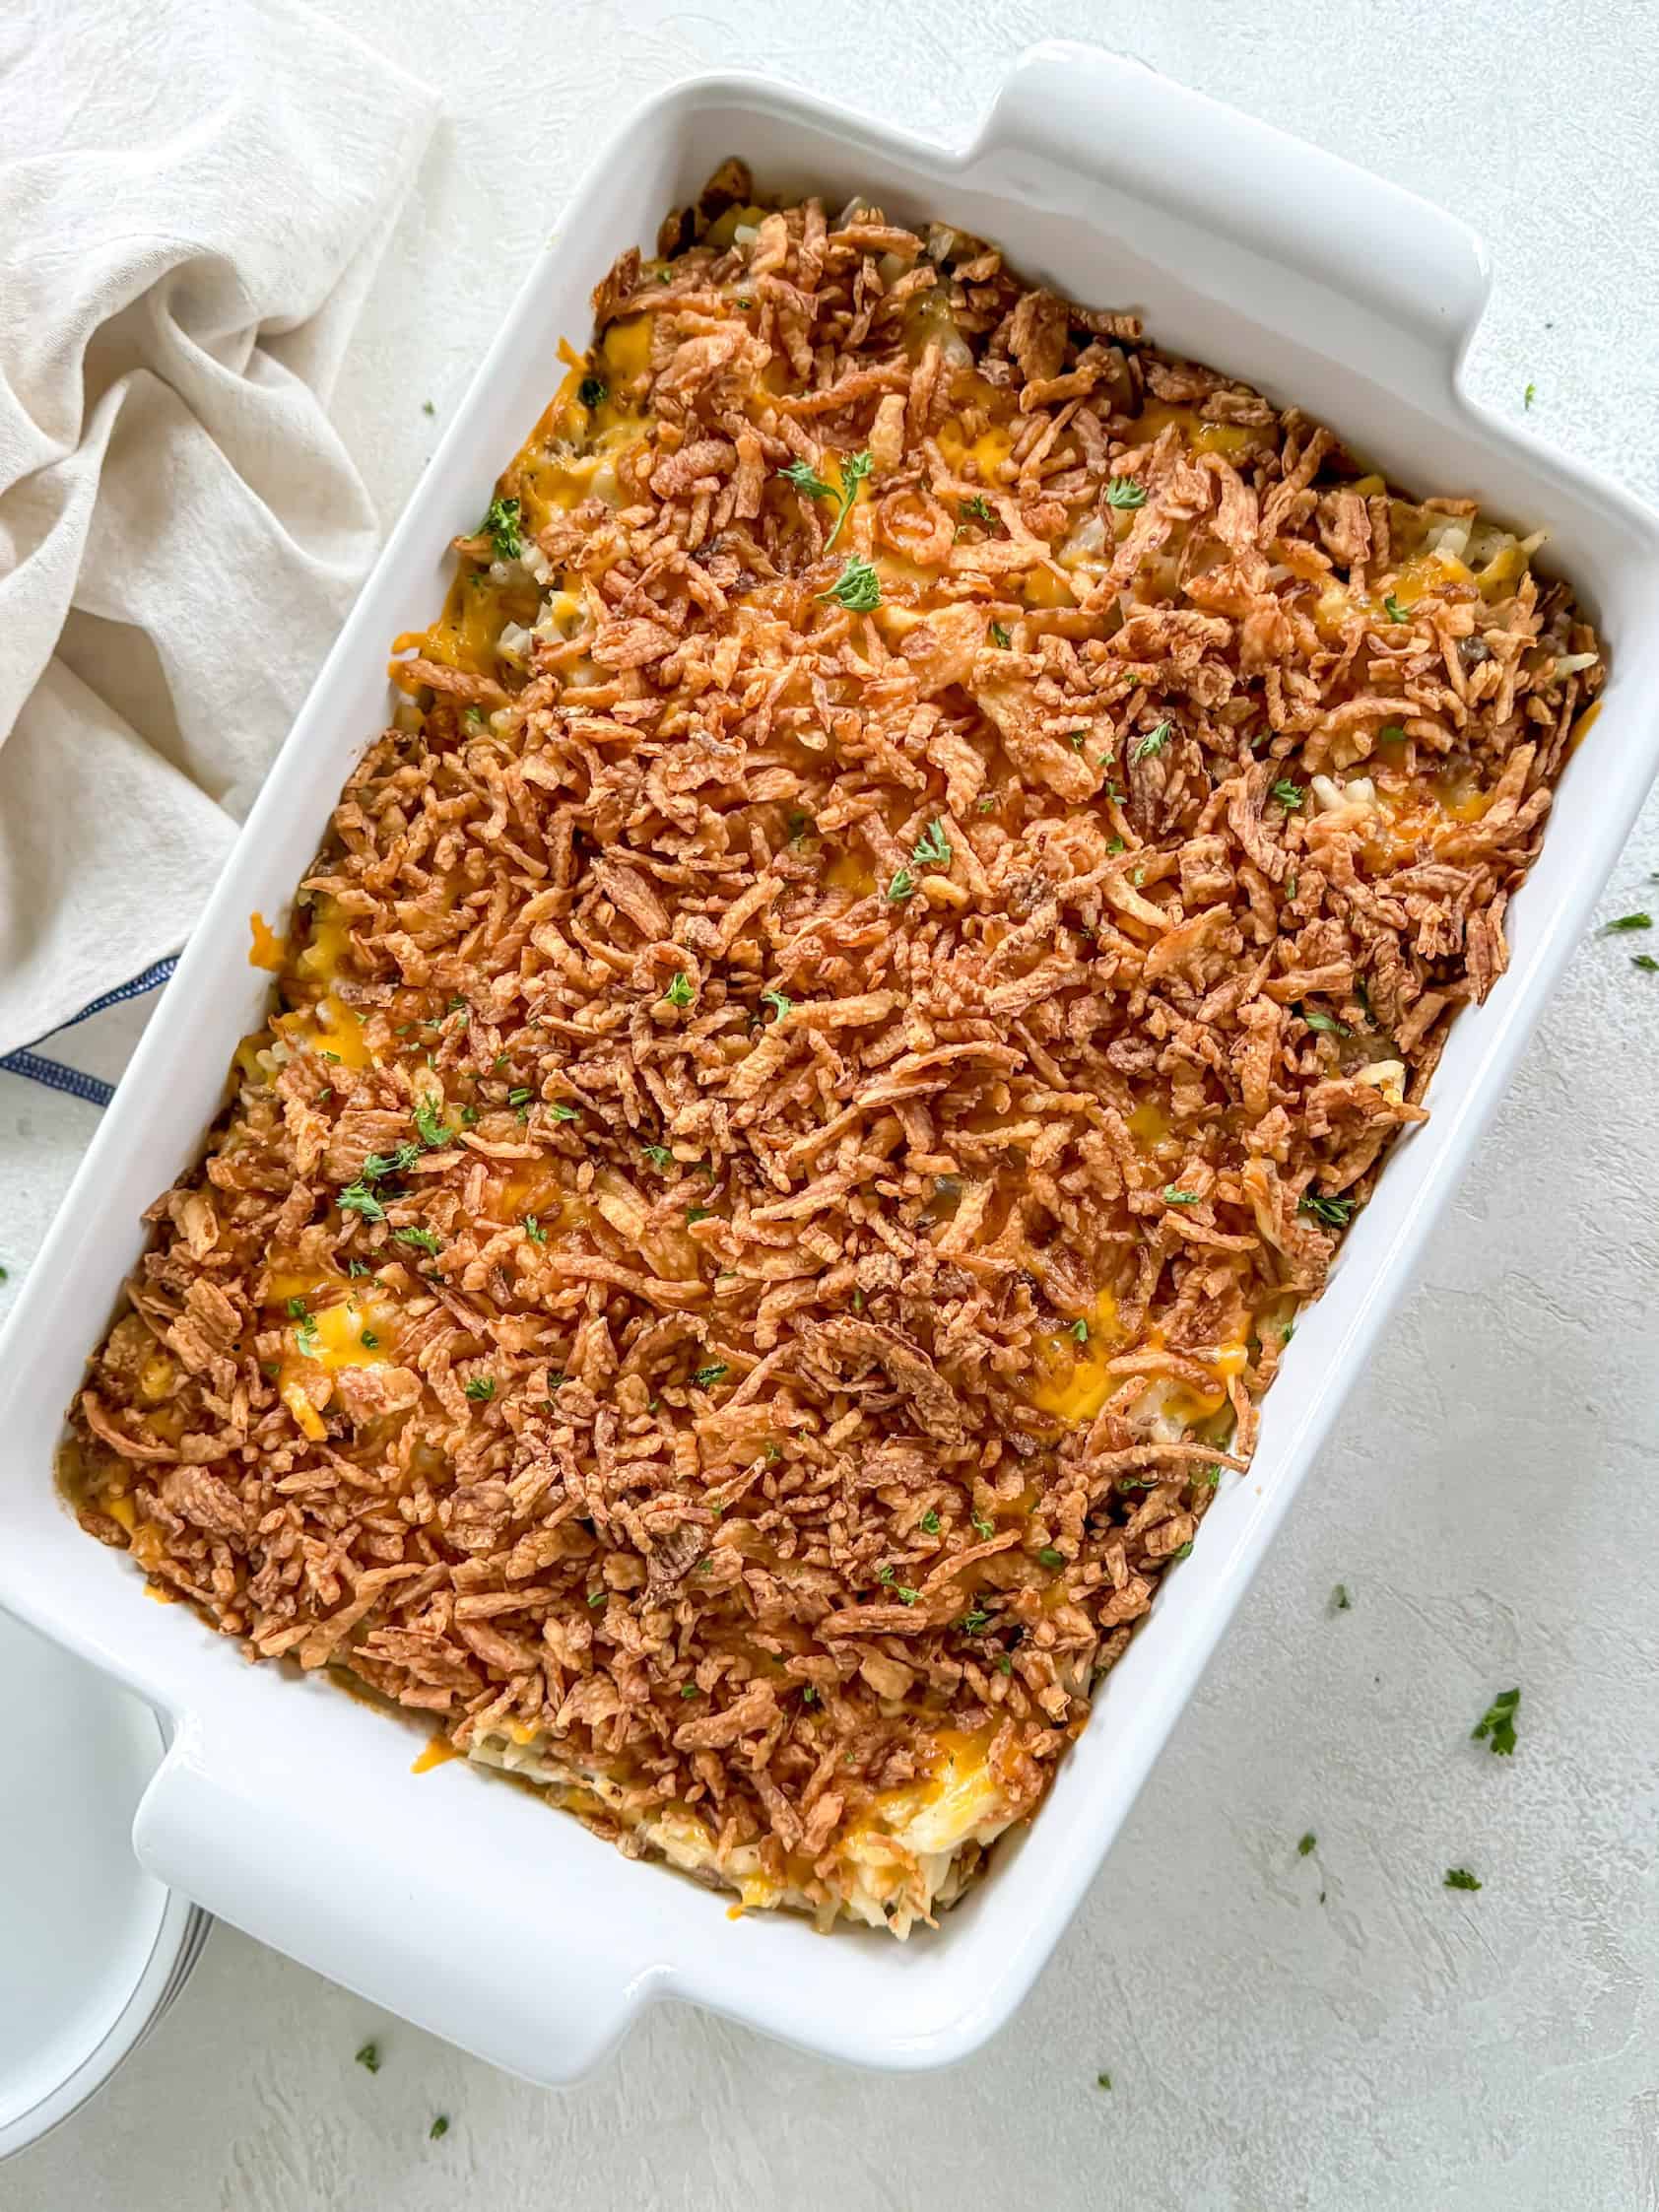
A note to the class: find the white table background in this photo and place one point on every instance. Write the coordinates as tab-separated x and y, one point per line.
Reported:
1492	1501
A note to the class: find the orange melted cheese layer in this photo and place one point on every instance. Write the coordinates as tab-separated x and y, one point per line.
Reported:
1074	1381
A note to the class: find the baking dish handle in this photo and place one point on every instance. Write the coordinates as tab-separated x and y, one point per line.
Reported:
256	1841
1313	216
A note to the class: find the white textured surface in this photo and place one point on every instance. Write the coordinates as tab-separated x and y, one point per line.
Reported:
1493	1503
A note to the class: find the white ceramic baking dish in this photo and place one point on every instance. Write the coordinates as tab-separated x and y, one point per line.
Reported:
288	1807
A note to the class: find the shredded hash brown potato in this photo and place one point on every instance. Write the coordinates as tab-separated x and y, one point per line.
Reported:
929	855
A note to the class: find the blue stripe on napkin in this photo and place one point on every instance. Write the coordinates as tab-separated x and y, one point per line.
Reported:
53	1073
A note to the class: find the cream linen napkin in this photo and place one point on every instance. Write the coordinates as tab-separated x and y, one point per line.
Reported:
193	199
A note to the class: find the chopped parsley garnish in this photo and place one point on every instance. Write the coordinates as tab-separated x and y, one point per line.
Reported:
1392	608
984	1530
596	1597
1154	742
438	2128
593	392
357	1198
1527	398
699	1213
807	480
1102	2081
1391	733
1174	1197
369	2057
930	1522
356	1267
481	1388
1182	1551
1333	1212
901	886
1315	1020
778	1001
932	847
534	1230
1049	1557
297	1310
680	993
1645	962
1306	1843
563	1112
974	1623
521	1095
1078	1331
858	588
501	525
1459	1877
1625	922
1124	491
428	1120
1209	1476
690	1690
1000	638
469	1118
1496	1727
421	1239
427	407
978	509
369	1341
382	1164
854	469
1341	1602
1290	795
707	1377
659	1155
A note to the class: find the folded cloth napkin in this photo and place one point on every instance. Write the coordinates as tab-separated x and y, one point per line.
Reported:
192	202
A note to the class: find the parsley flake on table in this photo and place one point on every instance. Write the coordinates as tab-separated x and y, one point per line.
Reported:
368	2058
1306	1843
1646	963
438	2128
1460	1878
1496	1727
1624	923
1341	1602
1529	395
